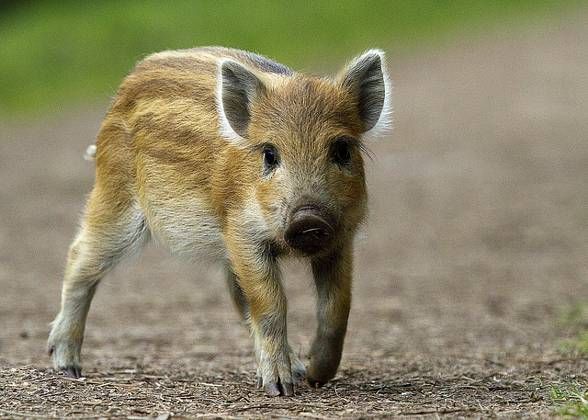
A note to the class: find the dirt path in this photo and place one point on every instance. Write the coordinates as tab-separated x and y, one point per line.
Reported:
476	241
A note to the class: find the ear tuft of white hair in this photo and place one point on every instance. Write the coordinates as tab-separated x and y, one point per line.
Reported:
90	152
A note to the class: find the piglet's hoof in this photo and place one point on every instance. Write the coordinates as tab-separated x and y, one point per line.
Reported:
316	378
315	383
276	389
72	371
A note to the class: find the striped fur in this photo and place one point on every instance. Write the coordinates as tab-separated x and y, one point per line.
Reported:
179	158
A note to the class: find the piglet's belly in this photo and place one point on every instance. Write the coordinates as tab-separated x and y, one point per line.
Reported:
186	227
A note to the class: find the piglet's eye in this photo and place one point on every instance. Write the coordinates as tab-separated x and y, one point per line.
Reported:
270	157
341	152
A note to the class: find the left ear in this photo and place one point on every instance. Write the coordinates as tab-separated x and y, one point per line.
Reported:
237	89
366	78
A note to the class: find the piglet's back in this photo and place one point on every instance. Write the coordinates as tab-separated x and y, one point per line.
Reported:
165	115
188	75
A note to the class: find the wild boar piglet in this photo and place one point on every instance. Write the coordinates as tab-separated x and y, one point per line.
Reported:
225	155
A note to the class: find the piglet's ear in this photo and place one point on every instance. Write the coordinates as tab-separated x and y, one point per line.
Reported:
365	77
237	88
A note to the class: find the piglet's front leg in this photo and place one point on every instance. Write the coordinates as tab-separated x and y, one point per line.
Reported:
332	276
259	279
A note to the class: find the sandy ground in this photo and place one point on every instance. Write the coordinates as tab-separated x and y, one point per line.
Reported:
476	242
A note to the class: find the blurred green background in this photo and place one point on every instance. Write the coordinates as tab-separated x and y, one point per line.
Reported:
58	54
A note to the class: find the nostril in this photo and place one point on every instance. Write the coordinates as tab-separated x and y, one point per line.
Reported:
313	230
316	232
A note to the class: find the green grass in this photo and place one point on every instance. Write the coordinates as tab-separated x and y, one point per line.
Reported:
576	345
575	316
55	53
574	320
570	401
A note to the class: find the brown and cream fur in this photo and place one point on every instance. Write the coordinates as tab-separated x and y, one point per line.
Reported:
182	157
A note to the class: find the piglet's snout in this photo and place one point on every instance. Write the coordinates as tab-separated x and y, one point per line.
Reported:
309	230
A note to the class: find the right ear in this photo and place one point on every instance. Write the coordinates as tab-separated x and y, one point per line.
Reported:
237	88
365	77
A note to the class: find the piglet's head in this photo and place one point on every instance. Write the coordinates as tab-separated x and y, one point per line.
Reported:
304	139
